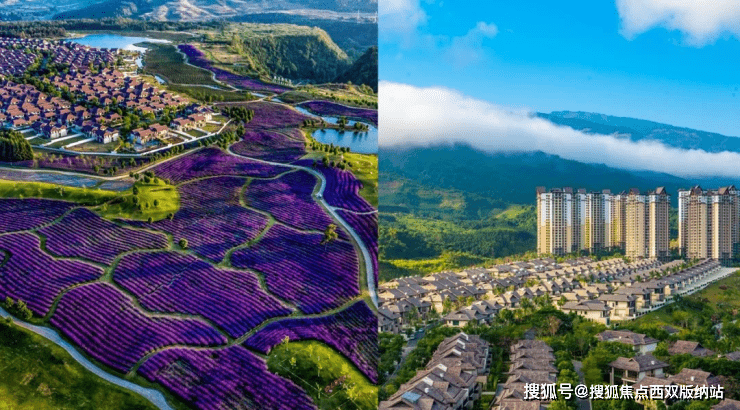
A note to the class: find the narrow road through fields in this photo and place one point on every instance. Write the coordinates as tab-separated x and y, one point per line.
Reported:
372	290
154	396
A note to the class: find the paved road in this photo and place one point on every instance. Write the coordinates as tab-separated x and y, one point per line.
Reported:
154	396
583	404
371	286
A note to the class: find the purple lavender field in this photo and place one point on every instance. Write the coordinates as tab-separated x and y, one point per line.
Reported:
24	214
366	226
176	283
83	234
210	217
106	325
212	161
352	331
271	116
271	146
331	109
289	199
196	58
231	378
28	274
342	188
299	268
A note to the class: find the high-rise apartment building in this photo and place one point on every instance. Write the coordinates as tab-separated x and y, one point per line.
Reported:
569	221
708	223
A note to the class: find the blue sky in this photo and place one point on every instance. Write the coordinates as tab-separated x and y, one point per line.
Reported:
648	59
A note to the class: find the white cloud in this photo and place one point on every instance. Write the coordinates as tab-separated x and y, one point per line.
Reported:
427	116
400	18
701	21
469	48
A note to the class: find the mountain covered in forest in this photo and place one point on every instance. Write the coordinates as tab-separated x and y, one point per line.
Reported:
638	130
363	71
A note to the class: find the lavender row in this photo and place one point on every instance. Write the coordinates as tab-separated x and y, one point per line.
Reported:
353	332
269	146
210	162
31	275
198	59
107	326
24	214
342	188
231	378
176	283
268	115
299	268
210	217
289	200
366	226
84	234
326	108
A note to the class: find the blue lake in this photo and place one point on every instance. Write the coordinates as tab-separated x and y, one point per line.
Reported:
115	41
361	142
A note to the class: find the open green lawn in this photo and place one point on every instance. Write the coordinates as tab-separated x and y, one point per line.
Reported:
209	94
36	374
195	133
315	366
165	61
109	204
722	295
124	207
82	196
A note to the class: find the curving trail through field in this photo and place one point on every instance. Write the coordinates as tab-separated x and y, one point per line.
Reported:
154	396
370	275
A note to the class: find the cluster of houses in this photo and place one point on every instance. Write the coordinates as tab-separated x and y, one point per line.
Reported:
112	88
198	117
630	297
532	361
645	370
76	55
568	284
453	379
17	54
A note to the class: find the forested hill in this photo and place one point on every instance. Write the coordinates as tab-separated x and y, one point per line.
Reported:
363	71
448	207
636	130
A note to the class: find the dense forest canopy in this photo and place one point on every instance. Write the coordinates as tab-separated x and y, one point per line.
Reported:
13	147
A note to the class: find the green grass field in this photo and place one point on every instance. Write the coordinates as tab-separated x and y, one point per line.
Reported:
209	94
165	196
109	204
36	374
165	61
314	366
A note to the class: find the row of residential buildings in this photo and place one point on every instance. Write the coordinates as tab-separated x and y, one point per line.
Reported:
453	379
532	361
569	221
18	54
505	286
604	291
709	223
635	222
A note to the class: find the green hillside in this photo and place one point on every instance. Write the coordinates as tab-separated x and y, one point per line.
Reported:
364	71
449	207
286	50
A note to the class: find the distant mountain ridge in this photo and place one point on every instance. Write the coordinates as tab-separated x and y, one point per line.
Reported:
201	10
638	130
